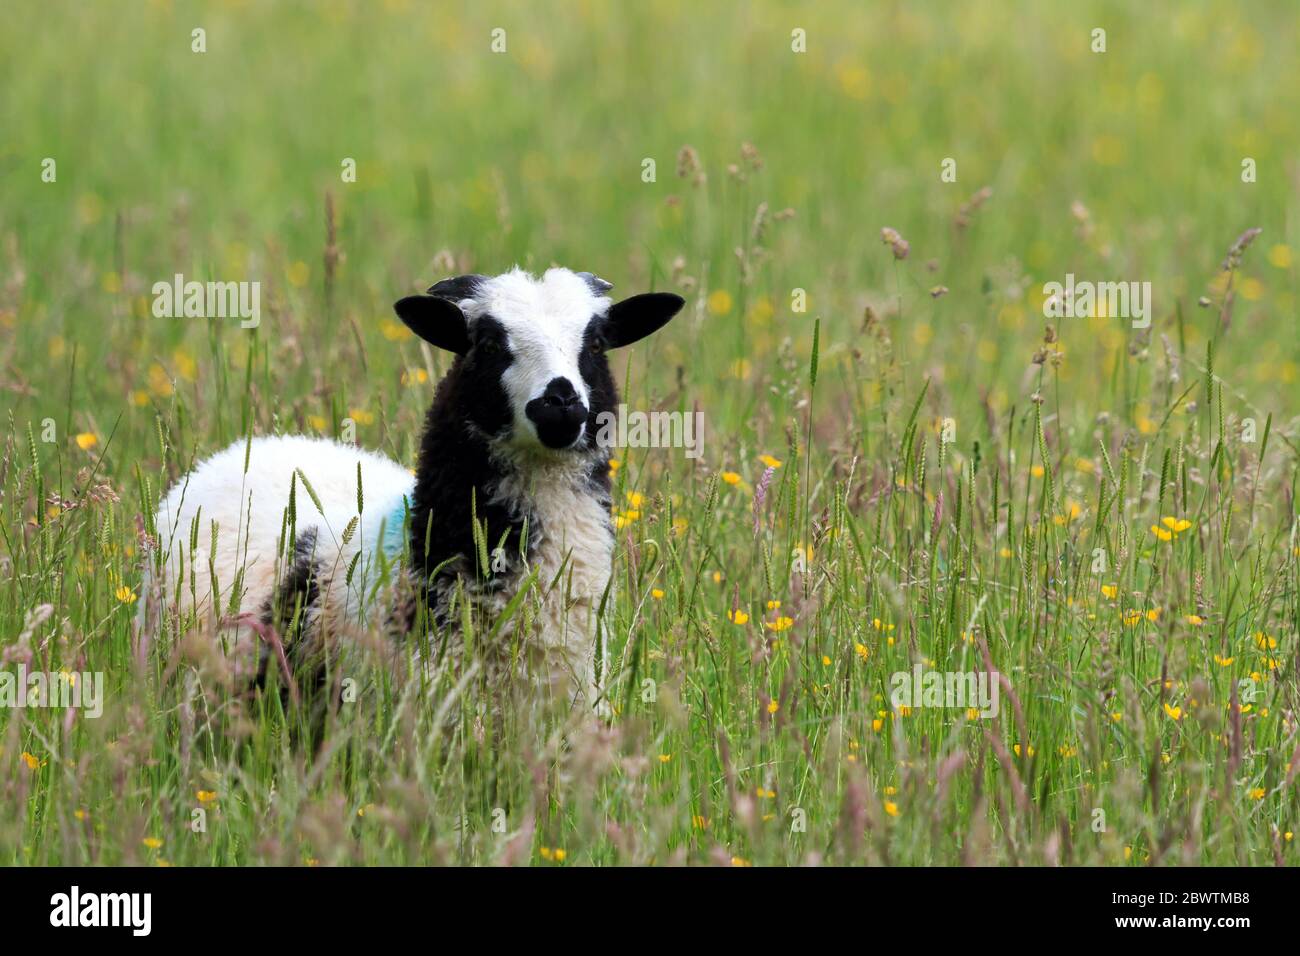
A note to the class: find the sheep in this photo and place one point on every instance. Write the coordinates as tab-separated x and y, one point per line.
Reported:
511	440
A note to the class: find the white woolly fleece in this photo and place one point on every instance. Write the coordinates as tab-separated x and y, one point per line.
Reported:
248	509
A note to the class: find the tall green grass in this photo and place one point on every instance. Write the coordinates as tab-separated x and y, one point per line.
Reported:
940	496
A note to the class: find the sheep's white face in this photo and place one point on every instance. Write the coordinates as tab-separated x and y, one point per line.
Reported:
545	324
532	370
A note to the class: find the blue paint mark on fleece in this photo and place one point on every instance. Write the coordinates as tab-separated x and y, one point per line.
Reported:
393	537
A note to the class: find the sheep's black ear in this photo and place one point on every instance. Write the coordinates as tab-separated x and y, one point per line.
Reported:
437	320
633	319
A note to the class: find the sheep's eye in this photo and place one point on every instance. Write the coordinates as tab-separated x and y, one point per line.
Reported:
489	347
596	346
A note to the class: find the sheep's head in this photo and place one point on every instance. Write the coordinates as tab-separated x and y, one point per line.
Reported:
531	351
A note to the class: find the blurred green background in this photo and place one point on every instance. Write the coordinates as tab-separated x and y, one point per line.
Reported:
216	165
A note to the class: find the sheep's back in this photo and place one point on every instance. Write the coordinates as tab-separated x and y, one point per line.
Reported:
249	509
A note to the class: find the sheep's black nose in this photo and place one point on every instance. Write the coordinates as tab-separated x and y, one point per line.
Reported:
558	414
560	393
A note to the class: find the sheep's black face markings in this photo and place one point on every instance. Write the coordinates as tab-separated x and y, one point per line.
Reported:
481	371
600	383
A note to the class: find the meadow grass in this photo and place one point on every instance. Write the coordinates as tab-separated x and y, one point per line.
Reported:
904	461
